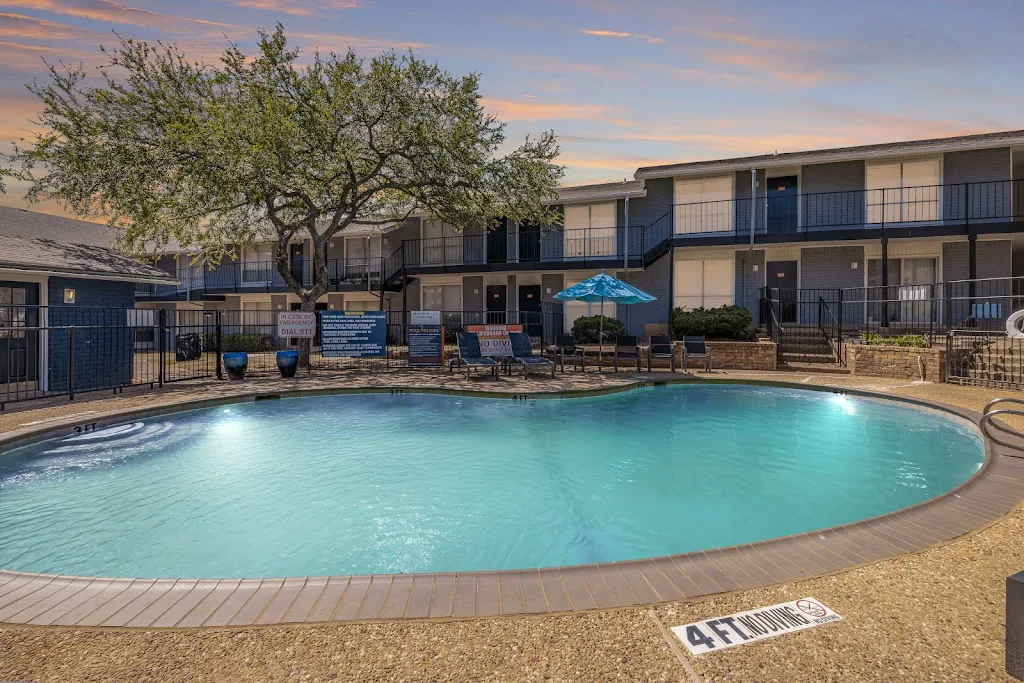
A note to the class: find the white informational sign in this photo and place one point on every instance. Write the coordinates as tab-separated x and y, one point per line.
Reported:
709	635
494	339
300	324
424	317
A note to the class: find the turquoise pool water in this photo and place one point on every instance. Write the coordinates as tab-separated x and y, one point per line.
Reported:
423	483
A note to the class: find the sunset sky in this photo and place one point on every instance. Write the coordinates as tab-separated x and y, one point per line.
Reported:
623	84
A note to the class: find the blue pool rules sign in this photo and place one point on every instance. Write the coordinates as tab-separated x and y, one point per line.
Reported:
353	334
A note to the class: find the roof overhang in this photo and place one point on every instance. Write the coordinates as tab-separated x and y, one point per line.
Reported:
88	275
824	156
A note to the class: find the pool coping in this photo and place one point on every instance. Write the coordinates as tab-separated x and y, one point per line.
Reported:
59	600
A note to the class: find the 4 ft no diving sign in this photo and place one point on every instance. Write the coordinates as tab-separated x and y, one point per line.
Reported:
741	628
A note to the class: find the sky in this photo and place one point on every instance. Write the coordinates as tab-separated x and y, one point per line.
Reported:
622	83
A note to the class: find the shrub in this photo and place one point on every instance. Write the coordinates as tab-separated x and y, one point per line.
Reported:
912	340
586	329
724	322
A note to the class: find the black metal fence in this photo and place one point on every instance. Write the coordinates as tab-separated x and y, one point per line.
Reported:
815	324
985	358
66	351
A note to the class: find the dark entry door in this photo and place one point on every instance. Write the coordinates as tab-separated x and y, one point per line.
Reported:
19	346
782	204
295	251
529	244
497	243
496	304
530	309
780	278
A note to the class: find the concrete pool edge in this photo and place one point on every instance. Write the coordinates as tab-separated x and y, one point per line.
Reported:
36	599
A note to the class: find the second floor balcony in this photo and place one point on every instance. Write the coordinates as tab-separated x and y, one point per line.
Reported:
609	246
240	277
961	204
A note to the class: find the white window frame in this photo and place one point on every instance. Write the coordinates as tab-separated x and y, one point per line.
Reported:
693	218
598	240
879	204
704	296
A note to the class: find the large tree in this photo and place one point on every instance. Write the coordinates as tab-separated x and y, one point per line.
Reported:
268	148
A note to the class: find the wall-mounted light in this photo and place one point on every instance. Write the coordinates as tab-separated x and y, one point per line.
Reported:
69	296
853	265
755	267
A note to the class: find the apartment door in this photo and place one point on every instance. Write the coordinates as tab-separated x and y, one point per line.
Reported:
780	278
497	243
497	304
295	252
530	309
782	204
529	244
19	347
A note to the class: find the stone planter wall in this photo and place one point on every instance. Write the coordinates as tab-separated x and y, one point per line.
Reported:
730	355
898	362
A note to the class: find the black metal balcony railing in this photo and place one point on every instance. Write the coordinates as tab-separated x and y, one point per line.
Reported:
961	203
526	246
243	276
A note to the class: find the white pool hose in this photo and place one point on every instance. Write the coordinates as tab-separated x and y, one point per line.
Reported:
1013	330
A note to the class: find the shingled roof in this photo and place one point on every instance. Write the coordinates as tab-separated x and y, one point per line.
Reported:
820	156
34	225
63	258
584	193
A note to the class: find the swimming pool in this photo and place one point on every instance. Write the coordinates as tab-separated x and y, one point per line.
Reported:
378	483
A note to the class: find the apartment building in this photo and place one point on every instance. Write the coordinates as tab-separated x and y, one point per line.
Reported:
692	234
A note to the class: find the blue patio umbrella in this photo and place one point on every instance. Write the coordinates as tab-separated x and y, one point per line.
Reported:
603	287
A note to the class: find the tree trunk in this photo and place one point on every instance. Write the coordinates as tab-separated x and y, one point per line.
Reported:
307	296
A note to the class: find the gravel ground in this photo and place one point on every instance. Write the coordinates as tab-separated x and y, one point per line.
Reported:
932	616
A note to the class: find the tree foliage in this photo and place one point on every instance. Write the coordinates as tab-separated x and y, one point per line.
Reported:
267	148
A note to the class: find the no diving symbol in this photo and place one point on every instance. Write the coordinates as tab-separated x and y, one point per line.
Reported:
811	608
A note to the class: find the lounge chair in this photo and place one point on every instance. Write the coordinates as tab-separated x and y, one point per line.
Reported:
626	349
565	347
522	352
469	355
696	347
661	347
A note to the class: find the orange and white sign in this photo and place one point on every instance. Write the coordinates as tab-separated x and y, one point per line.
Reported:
494	339
300	324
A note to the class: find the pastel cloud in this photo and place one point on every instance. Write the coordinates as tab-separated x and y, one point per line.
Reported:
518	110
619	34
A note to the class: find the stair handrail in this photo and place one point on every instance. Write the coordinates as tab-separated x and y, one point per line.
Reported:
988	423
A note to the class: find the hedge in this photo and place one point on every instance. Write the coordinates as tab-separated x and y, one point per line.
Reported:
724	322
586	329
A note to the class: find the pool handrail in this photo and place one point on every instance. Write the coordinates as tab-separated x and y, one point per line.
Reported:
988	424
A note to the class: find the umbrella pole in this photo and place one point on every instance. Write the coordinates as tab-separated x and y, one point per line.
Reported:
600	338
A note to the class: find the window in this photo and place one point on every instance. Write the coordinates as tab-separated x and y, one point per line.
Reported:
704	205
910	294
704	283
577	309
590	230
258	263
362	304
442	298
903	192
441	245
363	255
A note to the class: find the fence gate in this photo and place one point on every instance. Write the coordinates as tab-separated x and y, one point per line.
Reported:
985	358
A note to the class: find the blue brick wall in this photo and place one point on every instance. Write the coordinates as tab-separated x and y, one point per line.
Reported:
989	166
833	194
104	347
655	281
749	283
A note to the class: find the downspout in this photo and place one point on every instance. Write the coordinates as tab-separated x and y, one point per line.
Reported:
753	222
625	253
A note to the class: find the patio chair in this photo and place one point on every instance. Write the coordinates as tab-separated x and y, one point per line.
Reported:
565	347
522	353
696	347
661	347
469	355
626	349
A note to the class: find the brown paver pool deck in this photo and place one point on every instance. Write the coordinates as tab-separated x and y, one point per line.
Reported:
51	600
